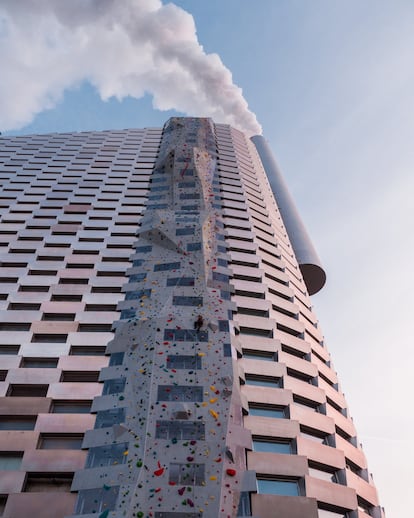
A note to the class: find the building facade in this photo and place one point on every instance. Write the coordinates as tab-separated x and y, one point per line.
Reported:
159	353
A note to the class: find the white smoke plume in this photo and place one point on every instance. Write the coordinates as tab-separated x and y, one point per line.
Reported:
122	47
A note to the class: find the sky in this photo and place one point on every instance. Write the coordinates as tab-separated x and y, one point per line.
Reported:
331	82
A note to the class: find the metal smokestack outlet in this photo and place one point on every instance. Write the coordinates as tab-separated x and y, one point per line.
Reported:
309	263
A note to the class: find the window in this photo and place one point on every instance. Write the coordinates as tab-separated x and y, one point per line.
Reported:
267	333
108	455
186	335
306	403
166	266
52	482
268	445
188	474
322	472
17	422
187	301
49	338
15	326
180	514
180	281
80	376
71	407
180	393
97	500
107	418
313	435
251	354
60	441
263	381
95	328
23	306
87	350
3	502
267	411
184	362
27	390
10	460
188	231
180	430
324	513
138	294
193	247
41	363
59	317
9	349
273	486
116	359
113	386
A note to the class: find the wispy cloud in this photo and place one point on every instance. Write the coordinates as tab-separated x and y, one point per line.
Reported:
126	48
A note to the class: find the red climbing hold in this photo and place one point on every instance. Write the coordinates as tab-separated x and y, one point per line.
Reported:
160	471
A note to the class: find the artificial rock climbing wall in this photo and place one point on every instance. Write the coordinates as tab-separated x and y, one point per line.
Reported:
172	412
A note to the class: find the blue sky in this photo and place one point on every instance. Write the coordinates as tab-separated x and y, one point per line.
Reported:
332	84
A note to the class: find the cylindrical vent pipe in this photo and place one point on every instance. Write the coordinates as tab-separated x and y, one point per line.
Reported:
308	260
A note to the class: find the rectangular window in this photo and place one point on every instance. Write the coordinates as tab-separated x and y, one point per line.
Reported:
49	338
250	354
186	335
187	474
79	376
193	247
17	423
187	301
277	487
162	267
179	361
10	461
108	455
323	474
180	281
9	349
267	411
39	363
27	390
116	359
323	513
71	407
52	482
272	445
137	277
15	326
87	350
91	501
95	328
263	381
180	514
138	294
189	196
113	386
107	418
180	430
143	249
189	231
60	441
180	393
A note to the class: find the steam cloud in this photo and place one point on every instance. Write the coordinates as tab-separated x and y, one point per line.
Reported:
122	47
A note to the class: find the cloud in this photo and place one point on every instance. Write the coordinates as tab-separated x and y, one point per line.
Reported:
126	48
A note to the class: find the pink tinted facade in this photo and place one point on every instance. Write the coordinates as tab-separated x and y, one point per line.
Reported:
75	223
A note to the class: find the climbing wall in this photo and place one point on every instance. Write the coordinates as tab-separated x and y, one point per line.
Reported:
169	426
